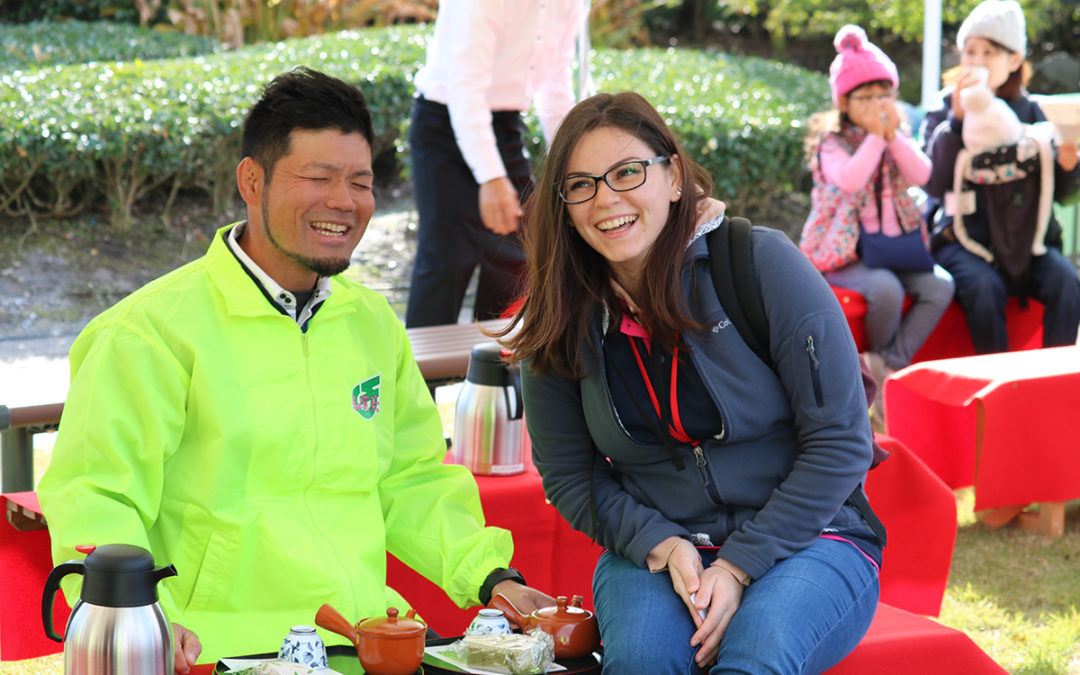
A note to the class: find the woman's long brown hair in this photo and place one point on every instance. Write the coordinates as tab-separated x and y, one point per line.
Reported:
566	280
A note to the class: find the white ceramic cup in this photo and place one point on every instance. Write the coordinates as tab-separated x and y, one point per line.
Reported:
303	646
489	622
981	75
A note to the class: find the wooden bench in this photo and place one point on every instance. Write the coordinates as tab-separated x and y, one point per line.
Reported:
442	352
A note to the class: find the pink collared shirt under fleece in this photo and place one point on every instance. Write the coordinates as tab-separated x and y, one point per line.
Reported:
495	55
852	172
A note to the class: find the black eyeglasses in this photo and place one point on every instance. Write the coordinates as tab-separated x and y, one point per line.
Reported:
581	187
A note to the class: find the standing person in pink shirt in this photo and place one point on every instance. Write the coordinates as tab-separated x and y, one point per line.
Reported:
864	231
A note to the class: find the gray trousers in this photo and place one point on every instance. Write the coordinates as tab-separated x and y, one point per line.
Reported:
891	333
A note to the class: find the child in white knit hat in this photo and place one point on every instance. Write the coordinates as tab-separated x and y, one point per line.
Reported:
1004	241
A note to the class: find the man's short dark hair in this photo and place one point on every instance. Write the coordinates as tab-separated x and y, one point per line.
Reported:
301	99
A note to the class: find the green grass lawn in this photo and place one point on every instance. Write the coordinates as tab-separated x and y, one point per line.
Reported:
1017	594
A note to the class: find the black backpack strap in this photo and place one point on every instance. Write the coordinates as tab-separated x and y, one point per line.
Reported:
731	258
731	253
857	499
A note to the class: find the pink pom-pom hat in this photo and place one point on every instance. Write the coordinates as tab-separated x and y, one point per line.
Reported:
857	62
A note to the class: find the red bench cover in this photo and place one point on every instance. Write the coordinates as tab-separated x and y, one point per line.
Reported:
919	513
902	643
951	337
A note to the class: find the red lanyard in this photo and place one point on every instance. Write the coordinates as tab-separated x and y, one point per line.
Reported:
675	427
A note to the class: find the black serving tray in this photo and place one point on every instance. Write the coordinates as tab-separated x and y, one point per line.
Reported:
343	659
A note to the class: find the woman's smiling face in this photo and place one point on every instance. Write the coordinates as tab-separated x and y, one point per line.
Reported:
622	226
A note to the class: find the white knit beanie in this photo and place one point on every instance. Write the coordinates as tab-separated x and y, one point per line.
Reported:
999	20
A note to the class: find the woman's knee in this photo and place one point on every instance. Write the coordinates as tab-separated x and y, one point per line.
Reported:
940	287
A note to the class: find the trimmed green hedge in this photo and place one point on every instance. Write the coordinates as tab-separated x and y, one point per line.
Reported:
127	131
53	43
72	136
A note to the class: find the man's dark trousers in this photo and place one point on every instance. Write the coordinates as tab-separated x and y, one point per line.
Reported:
452	239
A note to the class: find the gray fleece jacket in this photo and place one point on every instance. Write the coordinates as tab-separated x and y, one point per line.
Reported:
795	443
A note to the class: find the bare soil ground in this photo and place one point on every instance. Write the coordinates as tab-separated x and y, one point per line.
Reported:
57	275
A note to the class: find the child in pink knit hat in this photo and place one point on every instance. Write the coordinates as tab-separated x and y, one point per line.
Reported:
864	232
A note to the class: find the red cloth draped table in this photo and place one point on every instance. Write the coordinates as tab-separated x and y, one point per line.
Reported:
551	556
1005	423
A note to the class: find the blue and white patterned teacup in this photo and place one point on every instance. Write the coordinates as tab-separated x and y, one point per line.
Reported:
488	622
304	646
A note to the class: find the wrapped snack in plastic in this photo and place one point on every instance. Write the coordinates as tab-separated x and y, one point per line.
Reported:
276	667
516	654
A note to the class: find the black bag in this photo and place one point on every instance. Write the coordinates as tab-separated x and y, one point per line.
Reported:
906	253
731	258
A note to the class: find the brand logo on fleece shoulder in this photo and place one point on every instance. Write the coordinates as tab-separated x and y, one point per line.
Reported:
365	397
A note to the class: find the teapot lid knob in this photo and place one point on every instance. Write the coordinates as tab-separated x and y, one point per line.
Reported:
561	602
392	613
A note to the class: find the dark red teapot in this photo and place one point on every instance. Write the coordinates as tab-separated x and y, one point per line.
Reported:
573	628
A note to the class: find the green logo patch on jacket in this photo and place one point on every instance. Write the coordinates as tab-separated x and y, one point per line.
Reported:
365	397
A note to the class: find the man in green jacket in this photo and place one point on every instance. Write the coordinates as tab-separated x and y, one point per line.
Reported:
260	422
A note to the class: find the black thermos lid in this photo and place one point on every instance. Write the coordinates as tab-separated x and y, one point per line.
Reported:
486	365
121	575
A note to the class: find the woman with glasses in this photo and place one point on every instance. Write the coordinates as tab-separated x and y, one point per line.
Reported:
1002	245
717	483
864	231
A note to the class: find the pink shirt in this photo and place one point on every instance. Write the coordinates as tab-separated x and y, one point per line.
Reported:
852	172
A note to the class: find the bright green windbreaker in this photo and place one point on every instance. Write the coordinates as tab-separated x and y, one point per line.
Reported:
274	468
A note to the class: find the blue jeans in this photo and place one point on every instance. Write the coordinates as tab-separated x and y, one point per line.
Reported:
802	616
982	293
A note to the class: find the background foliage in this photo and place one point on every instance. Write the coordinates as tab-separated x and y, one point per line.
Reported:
73	137
45	43
20	11
902	18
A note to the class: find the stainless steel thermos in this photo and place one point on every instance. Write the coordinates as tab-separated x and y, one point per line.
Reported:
116	626
489	433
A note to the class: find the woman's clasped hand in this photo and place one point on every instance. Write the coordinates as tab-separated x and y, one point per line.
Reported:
711	594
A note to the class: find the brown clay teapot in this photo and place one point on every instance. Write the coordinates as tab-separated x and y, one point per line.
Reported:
573	629
385	645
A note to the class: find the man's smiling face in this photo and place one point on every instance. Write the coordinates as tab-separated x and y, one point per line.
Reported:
313	209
